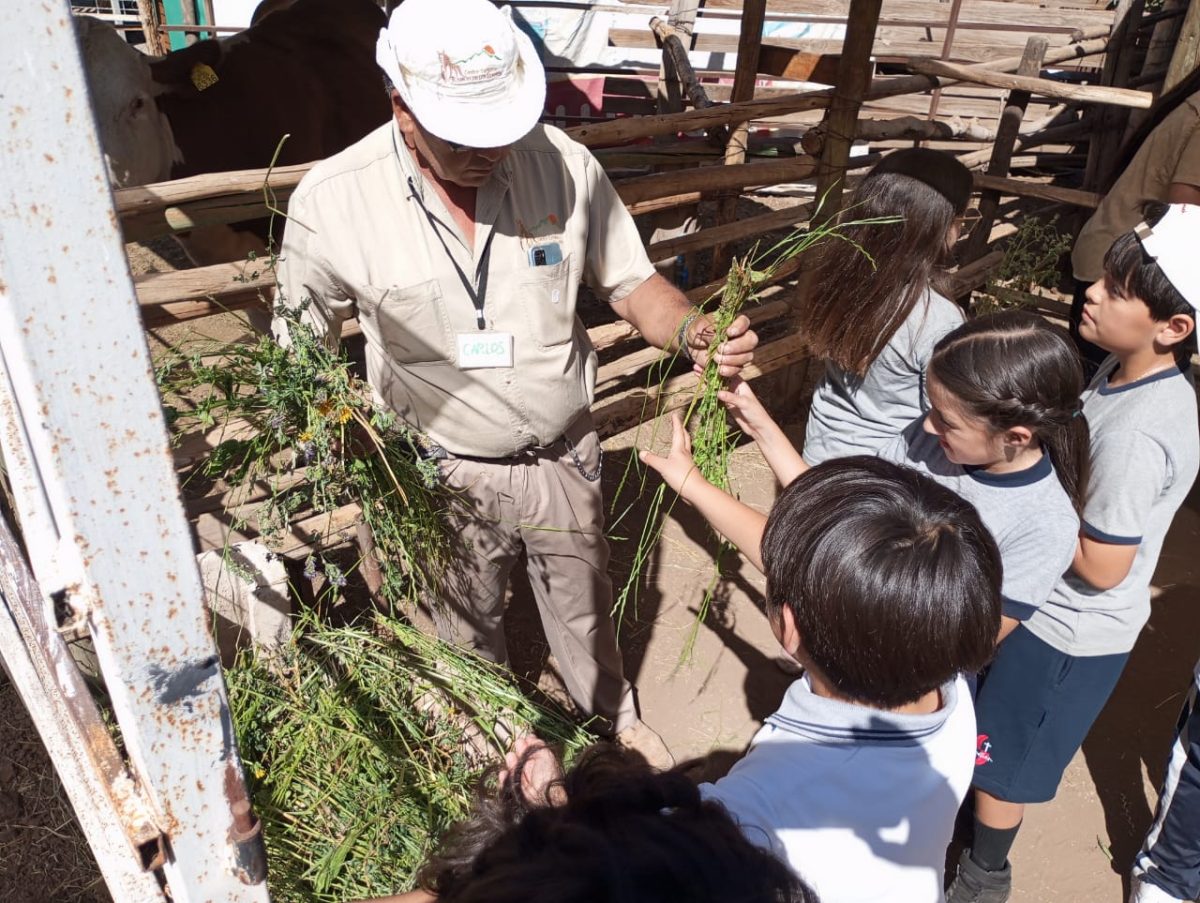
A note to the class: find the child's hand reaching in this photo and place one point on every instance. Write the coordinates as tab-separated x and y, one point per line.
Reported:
748	412
678	470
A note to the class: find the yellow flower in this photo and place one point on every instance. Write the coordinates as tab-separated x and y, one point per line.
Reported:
305	436
344	414
324	408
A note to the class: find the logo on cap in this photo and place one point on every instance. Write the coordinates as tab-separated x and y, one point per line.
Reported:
452	72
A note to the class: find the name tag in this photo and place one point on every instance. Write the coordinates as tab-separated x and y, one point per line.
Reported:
480	350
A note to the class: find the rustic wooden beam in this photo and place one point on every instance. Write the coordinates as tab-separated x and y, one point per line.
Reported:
1158	56
682	19
1186	57
674	50
1002	150
853	86
1109	122
1024	188
1042	86
730	232
148	211
215	198
713	178
749	42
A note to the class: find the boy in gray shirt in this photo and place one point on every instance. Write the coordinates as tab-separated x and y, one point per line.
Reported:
1039	699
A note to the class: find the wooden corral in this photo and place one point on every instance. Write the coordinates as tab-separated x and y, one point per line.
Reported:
1019	90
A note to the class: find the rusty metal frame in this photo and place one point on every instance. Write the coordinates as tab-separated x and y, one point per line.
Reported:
104	532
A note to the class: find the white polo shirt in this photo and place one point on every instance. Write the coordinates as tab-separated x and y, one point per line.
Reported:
859	802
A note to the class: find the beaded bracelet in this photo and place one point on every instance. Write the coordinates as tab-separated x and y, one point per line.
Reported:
681	337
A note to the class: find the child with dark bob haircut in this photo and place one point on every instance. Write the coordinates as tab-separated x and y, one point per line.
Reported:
862	542
609	830
885	586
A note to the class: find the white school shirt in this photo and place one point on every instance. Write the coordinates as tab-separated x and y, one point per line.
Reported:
859	802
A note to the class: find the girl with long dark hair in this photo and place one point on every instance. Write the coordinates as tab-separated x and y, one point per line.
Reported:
876	308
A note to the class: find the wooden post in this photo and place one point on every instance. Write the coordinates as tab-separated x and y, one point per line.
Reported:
676	77
682	19
156	41
854	79
1158	54
1109	122
951	27
1187	50
754	14
1002	150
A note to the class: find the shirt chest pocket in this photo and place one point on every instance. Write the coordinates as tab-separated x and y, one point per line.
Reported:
412	322
548	303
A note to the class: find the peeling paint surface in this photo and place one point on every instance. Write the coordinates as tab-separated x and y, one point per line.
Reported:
82	434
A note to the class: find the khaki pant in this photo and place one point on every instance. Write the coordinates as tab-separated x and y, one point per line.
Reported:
541	501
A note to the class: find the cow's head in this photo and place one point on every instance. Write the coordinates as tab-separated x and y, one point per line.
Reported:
136	137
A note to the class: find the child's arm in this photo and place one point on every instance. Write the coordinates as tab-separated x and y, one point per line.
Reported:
413	896
739	523
1129	471
1007	626
753	420
1102	565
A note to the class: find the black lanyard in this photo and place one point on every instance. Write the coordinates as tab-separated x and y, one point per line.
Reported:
476	294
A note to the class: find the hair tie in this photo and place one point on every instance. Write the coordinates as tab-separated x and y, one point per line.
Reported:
1077	413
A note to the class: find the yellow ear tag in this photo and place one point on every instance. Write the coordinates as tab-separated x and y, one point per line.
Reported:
203	76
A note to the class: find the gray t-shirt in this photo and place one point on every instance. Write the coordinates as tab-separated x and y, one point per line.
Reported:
859	415
1145	455
1028	513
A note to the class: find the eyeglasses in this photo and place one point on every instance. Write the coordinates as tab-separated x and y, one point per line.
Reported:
968	219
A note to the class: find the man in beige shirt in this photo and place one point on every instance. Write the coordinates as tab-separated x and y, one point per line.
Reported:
458	234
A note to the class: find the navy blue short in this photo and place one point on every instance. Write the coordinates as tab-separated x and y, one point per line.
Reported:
1034	709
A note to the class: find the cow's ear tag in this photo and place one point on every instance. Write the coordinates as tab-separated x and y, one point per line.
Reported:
203	76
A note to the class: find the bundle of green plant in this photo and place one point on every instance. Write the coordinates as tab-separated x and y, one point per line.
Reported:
359	742
297	420
713	441
1031	261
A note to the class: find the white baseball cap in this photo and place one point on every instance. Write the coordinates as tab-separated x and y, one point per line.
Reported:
464	70
1174	242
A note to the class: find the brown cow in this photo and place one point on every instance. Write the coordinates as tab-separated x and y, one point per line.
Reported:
219	105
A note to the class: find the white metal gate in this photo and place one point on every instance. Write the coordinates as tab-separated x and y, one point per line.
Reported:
85	444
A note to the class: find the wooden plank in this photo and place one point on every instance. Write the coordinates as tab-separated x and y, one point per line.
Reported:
797	65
